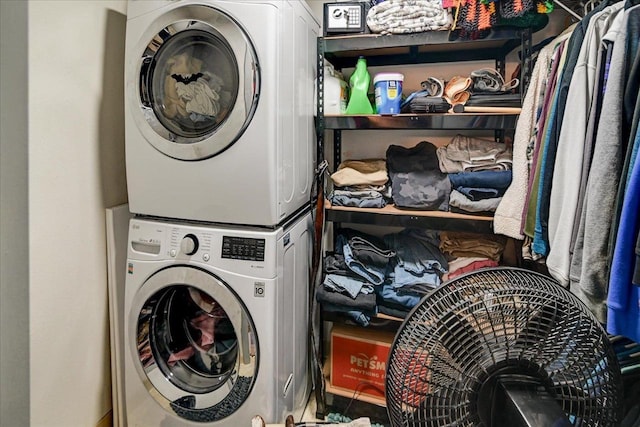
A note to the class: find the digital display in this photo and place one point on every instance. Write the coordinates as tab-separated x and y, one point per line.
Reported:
243	248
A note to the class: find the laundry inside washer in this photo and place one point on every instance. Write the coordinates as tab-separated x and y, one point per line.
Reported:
194	346
189	338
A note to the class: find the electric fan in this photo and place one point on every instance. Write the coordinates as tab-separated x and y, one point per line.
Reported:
502	347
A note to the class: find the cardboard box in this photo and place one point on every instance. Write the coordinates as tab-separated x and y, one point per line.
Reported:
359	361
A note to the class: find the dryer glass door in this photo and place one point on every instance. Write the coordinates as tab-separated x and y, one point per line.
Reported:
195	343
198	83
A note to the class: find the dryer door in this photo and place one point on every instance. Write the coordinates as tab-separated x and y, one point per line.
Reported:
195	343
198	82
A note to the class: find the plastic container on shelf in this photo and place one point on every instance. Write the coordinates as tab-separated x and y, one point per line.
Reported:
336	91
388	92
359	81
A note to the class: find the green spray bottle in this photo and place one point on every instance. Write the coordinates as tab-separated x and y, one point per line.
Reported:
359	81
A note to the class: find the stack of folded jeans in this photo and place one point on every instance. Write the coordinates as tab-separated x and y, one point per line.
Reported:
360	183
418	261
366	275
345	292
366	255
479	191
417	269
358	265
395	302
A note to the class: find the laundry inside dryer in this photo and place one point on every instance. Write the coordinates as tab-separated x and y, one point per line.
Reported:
194	82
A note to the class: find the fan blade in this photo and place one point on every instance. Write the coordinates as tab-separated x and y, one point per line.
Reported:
462	340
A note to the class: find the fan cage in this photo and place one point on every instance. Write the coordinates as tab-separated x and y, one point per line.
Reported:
466	335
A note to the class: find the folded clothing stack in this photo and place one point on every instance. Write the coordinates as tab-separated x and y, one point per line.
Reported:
461	244
360	183
469	154
416	179
495	100
430	99
479	171
426	104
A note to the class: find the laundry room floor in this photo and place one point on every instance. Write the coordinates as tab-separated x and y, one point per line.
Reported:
310	411
309	415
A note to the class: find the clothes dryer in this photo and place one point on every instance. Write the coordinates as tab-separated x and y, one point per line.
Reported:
219	109
216	323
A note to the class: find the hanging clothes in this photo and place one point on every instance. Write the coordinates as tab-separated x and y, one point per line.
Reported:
508	215
573	197
623	300
541	135
553	133
589	271
563	197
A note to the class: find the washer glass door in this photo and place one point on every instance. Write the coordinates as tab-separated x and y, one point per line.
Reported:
198	83
195	344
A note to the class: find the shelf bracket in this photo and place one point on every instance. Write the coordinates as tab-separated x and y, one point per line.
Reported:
525	61
501	67
337	149
321	404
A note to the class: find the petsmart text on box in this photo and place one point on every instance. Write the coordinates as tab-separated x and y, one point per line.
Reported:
359	364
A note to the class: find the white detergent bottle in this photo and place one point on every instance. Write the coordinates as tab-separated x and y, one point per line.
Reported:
336	91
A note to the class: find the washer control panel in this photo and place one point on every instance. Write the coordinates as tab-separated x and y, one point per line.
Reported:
246	251
188	243
243	248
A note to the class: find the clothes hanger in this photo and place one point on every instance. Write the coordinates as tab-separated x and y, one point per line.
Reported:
568	9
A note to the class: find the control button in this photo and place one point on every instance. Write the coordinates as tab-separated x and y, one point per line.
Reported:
173	252
189	244
205	257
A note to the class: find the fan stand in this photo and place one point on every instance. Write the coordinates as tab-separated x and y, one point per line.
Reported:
520	401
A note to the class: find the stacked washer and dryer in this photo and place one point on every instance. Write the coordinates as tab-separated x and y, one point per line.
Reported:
220	151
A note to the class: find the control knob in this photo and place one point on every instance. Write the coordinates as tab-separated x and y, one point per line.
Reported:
189	244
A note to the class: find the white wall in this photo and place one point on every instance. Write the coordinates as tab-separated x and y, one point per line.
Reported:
75	170
14	249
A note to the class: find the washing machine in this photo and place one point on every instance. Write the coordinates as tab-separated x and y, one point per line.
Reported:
216	323
219	109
